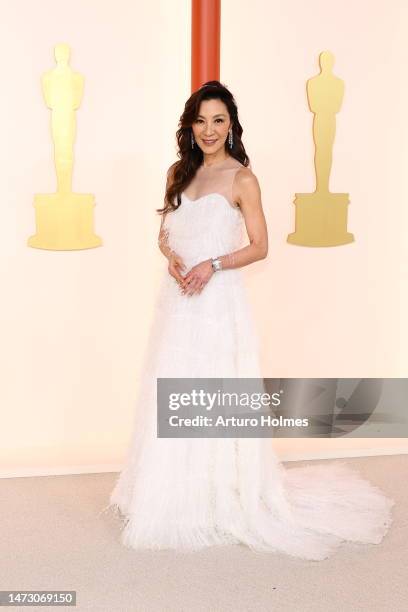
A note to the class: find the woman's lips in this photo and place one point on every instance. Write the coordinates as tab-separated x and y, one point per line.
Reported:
209	142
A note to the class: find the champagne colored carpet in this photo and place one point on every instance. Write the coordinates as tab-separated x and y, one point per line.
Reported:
54	536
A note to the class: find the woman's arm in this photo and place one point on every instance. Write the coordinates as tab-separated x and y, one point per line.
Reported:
163	238
248	196
176	263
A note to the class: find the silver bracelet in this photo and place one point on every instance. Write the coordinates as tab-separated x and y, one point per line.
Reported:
216	264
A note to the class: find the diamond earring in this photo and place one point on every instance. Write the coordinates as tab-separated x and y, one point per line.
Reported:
192	140
230	140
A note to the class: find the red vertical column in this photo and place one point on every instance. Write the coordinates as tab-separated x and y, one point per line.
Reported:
205	41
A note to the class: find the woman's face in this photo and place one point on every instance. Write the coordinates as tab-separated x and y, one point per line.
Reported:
211	126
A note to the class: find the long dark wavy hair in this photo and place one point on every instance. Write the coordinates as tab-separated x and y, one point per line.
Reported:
184	169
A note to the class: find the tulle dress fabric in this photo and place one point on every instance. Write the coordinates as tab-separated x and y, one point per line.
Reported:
191	493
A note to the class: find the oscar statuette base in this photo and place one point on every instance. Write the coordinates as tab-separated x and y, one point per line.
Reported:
321	220
64	221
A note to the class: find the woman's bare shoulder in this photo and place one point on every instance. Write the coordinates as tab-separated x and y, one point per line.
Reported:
171	169
245	173
170	174
245	178
246	185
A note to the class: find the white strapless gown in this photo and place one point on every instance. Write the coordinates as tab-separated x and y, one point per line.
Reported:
186	494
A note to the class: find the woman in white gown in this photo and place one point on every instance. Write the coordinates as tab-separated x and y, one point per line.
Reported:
189	493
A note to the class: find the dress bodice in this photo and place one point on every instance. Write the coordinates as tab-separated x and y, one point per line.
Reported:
207	223
217	178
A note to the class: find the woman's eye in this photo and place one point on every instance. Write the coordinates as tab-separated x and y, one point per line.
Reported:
200	120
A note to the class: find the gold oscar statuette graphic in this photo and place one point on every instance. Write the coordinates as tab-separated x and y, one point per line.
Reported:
64	220
321	217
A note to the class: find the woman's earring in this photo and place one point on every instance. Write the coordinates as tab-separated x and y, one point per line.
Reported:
192	140
230	140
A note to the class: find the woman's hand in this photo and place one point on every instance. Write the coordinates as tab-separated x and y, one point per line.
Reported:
197	278
175	265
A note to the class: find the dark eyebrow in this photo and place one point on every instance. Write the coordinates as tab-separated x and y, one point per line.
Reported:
219	115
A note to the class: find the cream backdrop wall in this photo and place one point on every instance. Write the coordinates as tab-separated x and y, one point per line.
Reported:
74	324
